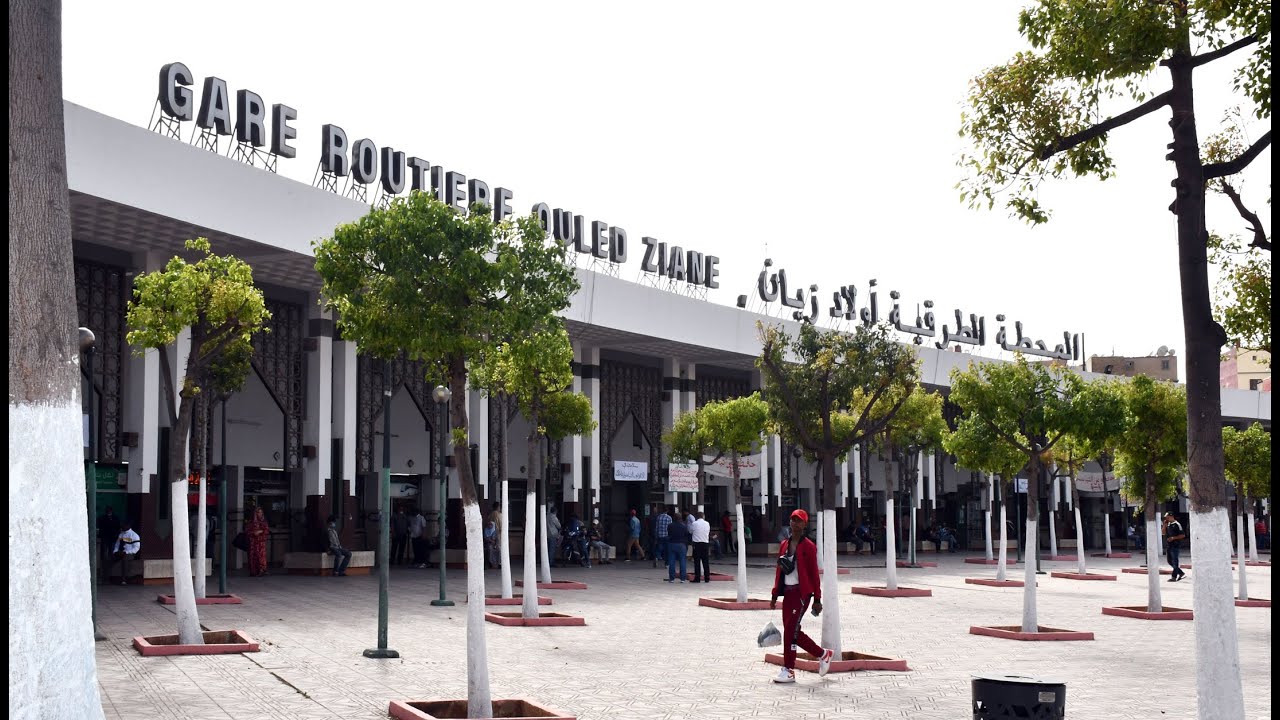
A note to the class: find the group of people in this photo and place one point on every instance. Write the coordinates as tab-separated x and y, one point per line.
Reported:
412	532
672	536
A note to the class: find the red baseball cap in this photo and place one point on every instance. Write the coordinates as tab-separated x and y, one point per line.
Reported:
804	516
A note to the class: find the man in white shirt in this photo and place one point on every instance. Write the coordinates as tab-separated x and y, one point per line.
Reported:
127	545
417	528
700	529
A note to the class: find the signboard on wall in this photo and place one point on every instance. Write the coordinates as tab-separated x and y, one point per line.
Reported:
682	477
748	466
1093	482
630	471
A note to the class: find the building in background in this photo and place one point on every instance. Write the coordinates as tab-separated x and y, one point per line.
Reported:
1161	366
1245	370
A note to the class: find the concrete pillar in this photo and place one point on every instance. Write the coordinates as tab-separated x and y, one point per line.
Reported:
317	425
574	486
142	415
343	407
480	436
672	406
593	388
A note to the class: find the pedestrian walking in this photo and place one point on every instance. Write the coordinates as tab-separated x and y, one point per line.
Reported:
796	581
258	531
701	537
1173	537
341	555
125	548
677	549
495	517
417	538
661	530
399	536
633	536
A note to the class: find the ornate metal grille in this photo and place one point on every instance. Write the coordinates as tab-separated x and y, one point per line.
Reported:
277	356
369	399
717	388
100	306
629	390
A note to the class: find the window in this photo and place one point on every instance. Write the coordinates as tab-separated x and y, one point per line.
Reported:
1255	384
1164	364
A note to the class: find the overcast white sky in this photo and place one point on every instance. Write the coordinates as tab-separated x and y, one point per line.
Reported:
823	135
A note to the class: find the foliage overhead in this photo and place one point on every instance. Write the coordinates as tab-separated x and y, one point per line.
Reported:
1248	460
1152	448
1101	421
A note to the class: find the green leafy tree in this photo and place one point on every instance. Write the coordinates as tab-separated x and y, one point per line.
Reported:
1026	408
1101	419
976	445
827	392
728	428
215	297
1248	465
1151	455
1037	117
422	278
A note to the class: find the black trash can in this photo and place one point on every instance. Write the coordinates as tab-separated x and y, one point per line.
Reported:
996	697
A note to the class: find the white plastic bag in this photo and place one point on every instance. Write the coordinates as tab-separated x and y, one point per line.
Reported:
770	635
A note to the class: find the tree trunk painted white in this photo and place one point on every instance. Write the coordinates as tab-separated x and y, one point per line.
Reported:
1251	538
479	701
1053	534
52	670
202	536
1030	623
1080	549
822	543
1243	593
890	544
1106	531
1004	546
830	585
184	597
1153	566
544	551
741	534
986	532
504	540
912	544
1219	693
529	605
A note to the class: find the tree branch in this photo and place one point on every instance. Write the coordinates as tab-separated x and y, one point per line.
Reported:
1255	224
1106	126
788	397
1231	167
1206	58
168	385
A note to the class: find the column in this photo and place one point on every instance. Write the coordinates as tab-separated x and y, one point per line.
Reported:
574	443
317	425
672	407
593	388
480	436
142	416
343	381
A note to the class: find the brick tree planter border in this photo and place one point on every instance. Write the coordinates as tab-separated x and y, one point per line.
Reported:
919	564
213	599
992	582
515	600
878	591
512	709
839	571
558	585
1114	555
1143	571
1085	576
984	561
1258	563
216	642
850	661
544	619
1014	632
1140	612
1254	602
733	604
713	577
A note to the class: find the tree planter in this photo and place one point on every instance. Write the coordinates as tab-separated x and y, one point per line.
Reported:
714	577
984	561
1140	612
991	582
1254	602
1143	571
1258	563
548	619
512	709
839	571
557	585
214	599
514	600
877	591
733	604
1014	632
216	642
1079	576
1114	555
849	661
919	564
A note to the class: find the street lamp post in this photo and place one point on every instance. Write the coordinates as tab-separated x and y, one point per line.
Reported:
442	395
87	341
384	527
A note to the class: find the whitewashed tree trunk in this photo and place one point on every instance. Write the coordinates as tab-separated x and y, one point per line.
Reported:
1154	603
184	597
1030	623
1004	546
504	540
741	534
890	544
830	585
986	532
1219	692
1080	549
1243	593
529	603
1053	534
479	701
1106	531
202	535
822	544
1251	538
543	550
913	545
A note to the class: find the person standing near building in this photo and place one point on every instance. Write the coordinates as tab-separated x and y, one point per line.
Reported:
417	532
661	528
677	548
726	532
701	537
796	581
633	536
258	531
1173	537
553	534
108	531
399	536
126	547
495	517
341	555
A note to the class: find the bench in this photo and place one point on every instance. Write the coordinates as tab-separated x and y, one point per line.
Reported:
159	571
929	546
321	563
1067	543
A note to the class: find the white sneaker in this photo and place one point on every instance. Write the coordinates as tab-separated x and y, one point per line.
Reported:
785	676
824	663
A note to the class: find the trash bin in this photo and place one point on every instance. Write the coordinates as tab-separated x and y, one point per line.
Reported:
996	697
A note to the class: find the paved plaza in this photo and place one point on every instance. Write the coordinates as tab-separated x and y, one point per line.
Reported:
649	651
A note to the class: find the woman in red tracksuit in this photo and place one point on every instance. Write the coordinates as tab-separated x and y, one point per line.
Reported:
796	588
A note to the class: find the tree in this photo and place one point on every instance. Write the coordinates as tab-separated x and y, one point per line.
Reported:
422	278
1025	409
1101	412
564	414
1151	454
1248	466
215	298
1036	118
824	390
724	428
51	657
